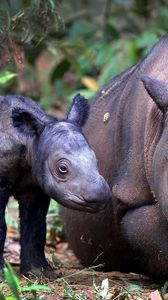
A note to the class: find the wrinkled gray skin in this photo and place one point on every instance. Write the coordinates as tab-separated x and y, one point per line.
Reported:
132	150
42	158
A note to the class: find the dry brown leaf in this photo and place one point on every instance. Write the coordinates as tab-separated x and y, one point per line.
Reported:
89	294
90	83
155	295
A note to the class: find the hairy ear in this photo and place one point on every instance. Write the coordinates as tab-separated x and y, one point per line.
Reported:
79	111
158	90
26	122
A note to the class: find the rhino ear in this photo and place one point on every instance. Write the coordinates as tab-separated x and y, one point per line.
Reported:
158	90
79	111
26	122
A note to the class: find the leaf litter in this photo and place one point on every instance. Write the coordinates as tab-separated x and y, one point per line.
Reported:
74	281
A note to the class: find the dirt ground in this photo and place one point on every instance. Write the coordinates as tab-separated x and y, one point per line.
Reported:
75	282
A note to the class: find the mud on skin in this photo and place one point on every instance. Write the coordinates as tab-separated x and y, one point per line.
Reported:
42	157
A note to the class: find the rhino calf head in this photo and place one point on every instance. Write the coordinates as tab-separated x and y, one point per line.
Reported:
62	162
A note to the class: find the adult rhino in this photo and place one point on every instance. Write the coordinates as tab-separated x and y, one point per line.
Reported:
128	130
42	158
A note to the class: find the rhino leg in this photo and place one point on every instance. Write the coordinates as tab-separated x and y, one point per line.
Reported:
33	209
146	229
4	196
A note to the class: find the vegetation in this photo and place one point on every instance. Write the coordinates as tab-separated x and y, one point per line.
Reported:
50	50
16	290
87	44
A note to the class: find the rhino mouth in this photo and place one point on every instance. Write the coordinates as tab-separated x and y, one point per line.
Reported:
78	203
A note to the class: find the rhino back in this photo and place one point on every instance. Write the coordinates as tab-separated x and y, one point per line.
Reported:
122	142
13	143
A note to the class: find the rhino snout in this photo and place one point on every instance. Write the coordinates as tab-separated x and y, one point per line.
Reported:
89	197
99	195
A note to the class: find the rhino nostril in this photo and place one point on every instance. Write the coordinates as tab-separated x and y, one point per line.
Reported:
100	196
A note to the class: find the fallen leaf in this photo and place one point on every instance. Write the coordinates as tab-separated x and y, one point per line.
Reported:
104	288
89	294
90	83
58	297
62	247
155	295
133	288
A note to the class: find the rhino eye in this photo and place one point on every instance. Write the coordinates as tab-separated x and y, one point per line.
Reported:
63	169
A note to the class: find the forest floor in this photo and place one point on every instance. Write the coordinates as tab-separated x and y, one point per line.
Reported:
75	282
72	281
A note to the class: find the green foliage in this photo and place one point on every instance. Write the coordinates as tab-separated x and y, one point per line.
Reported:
16	288
133	288
12	281
103	52
146	40
55	221
6	76
96	42
163	13
88	94
60	70
70	294
31	21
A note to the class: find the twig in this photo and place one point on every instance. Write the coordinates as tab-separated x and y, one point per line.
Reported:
78	272
107	14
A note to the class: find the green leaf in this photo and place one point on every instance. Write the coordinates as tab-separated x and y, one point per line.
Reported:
109	71
6	76
88	94
12	281
122	55
35	288
80	29
56	261
52	4
112	31
102	55
60	70
133	288
146	40
163	17
9	298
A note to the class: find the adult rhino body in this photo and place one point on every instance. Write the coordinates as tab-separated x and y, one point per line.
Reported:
128	130
42	158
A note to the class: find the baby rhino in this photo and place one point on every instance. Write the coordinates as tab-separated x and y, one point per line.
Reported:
42	158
